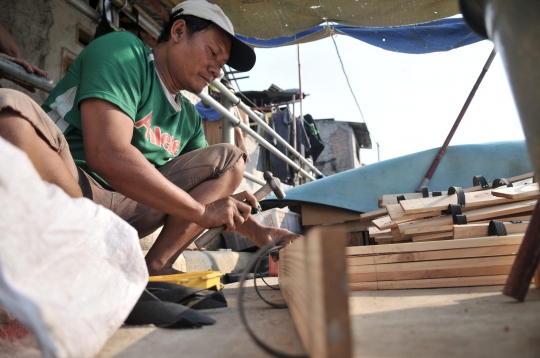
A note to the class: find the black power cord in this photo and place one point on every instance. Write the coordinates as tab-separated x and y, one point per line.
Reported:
255	262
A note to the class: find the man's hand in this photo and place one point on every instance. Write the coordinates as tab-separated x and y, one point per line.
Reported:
230	211
28	67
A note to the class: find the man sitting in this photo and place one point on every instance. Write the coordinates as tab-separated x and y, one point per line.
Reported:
122	135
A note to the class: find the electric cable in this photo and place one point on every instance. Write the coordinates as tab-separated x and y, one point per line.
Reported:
265	250
257	271
347	78
349	84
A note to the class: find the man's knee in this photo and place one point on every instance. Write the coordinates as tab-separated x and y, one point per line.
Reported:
14	128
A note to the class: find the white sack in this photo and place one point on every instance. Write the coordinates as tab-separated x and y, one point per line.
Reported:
70	270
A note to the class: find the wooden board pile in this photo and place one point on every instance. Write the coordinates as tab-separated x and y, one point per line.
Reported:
421	244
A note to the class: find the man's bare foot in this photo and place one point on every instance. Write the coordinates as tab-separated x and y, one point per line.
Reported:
164	271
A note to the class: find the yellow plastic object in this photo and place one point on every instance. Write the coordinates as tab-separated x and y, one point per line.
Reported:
203	279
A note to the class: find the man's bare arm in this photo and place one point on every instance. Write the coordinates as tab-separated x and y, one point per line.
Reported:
8	44
107	133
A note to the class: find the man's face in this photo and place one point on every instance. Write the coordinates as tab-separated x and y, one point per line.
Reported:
197	60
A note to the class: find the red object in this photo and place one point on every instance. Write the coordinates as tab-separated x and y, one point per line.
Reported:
273	266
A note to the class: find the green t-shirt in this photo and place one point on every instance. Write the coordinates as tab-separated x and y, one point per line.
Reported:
118	68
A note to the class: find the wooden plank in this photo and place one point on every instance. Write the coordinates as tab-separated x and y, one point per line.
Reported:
436	245
352	226
426	230
434	265
511	180
430	274
372	215
374	231
384	240
439	203
313	214
397	213
444	235
522	192
430	283
313	280
396	234
536	277
477	230
433	255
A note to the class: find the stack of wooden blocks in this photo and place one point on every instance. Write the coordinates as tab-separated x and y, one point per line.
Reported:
420	245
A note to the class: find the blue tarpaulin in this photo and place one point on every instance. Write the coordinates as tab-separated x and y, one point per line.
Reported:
359	189
435	36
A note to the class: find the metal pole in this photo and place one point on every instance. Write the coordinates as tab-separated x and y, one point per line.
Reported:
237	102
237	122
143	21
300	86
441	152
254	179
128	10
227	128
11	70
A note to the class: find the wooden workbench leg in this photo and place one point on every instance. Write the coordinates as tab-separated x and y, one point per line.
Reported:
313	280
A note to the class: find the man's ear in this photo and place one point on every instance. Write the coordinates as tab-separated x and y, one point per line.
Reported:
178	30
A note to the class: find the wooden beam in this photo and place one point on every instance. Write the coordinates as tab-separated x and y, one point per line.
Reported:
433	255
435	265
372	215
477	230
352	226
430	274
537	277
511	180
313	280
435	245
430	283
442	235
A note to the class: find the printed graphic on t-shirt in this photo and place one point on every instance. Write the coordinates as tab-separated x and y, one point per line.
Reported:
155	136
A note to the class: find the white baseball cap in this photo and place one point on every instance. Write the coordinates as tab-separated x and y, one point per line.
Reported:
242	57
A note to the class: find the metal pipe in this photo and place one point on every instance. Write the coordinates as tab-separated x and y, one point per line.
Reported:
142	20
441	152
237	122
227	128
236	101
254	179
13	71
87	10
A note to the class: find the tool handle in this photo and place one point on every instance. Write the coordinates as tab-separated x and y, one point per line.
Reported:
262	192
208	236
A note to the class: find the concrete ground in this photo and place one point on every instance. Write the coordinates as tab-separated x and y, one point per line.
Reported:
226	338
452	322
446	322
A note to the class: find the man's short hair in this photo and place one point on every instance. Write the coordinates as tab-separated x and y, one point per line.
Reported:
194	24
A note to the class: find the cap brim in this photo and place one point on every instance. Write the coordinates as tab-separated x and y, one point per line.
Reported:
242	57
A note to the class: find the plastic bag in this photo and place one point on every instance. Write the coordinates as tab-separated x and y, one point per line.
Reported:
70	270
